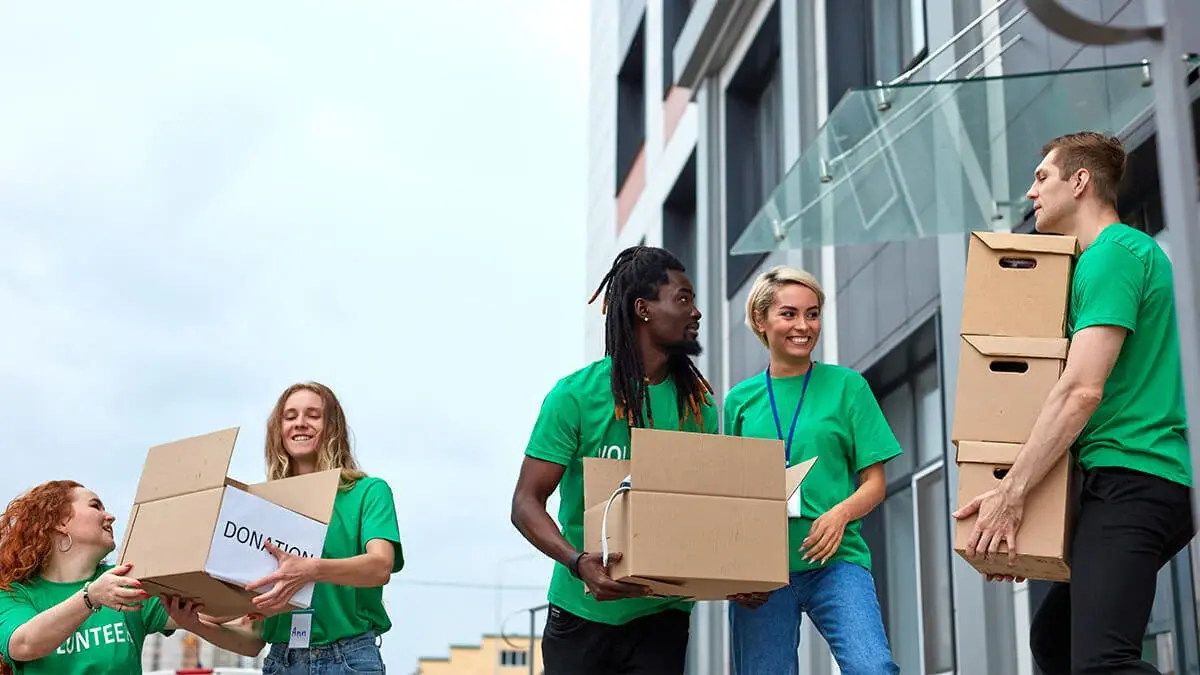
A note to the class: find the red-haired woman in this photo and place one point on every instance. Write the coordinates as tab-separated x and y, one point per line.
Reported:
62	609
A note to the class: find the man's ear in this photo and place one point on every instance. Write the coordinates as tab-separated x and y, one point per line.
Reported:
641	310
1083	178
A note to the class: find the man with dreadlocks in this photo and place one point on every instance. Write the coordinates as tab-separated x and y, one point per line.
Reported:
647	380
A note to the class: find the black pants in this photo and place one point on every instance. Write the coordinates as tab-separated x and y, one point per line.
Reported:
651	645
1129	524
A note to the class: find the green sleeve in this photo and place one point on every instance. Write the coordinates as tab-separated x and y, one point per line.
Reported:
555	435
874	441
14	612
1108	287
712	421
733	425
379	520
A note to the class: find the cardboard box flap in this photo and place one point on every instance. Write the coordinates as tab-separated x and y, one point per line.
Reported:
310	495
681	462
600	478
189	465
1018	347
1028	243
986	452
796	475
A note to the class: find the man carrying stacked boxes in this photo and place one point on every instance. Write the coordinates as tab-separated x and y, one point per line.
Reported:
1117	410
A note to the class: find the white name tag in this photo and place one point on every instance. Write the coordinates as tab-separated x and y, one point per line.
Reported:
794	504
301	630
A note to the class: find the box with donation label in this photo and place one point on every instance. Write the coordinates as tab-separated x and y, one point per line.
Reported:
196	533
699	516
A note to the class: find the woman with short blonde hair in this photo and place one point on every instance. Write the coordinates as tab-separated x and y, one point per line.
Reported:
828	412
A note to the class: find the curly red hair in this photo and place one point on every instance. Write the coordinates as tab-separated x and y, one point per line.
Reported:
26	529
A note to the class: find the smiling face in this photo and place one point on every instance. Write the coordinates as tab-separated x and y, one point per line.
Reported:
302	422
674	319
88	524
792	323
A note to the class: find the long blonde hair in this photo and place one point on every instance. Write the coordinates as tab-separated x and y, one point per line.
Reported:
335	451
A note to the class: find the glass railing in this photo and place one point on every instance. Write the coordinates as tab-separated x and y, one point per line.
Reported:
923	159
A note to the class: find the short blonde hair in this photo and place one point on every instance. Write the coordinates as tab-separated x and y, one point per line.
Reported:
762	294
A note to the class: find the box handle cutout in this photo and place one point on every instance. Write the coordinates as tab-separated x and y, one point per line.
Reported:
1009	366
1014	263
1000	472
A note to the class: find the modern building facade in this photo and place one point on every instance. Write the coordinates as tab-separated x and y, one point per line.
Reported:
742	134
494	655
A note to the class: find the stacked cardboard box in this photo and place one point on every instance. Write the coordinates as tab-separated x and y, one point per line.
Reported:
1012	352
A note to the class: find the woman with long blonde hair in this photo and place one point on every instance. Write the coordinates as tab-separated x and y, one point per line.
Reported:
64	611
307	433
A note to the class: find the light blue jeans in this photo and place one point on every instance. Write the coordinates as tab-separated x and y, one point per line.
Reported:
358	654
841	602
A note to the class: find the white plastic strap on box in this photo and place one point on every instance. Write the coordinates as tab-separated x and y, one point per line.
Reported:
625	486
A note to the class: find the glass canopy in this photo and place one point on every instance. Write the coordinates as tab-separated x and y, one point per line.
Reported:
923	159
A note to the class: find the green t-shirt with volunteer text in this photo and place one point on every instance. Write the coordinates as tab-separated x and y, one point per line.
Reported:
107	643
840	423
578	420
1124	279
364	512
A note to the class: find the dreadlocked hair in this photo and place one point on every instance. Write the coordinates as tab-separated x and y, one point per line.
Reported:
638	272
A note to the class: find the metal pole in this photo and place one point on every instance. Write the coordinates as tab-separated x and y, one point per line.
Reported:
532	632
1177	176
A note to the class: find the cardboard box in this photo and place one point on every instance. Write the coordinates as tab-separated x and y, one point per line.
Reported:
705	516
1017	285
1042	541
196	533
1002	383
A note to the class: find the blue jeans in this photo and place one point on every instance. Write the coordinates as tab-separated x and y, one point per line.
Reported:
841	602
358	654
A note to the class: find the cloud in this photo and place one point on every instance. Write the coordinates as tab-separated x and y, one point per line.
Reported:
201	206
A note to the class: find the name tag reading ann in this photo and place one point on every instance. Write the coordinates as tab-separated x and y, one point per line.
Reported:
301	630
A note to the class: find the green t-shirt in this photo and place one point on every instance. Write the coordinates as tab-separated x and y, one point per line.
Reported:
840	423
107	643
1124	279
578	420
364	512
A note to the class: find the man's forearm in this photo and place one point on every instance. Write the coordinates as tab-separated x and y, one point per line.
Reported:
538	527
233	637
1064	415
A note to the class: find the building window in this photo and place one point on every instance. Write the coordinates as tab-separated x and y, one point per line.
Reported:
909	533
679	218
631	105
675	14
753	142
512	657
898	31
893	30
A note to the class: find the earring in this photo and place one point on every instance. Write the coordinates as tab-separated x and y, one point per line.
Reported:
646	319
70	543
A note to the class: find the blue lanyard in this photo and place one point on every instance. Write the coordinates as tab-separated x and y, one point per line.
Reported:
787	448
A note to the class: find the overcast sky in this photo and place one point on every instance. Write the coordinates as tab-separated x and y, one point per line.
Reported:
201	203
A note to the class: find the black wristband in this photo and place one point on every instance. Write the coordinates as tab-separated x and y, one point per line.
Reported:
574	566
88	601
